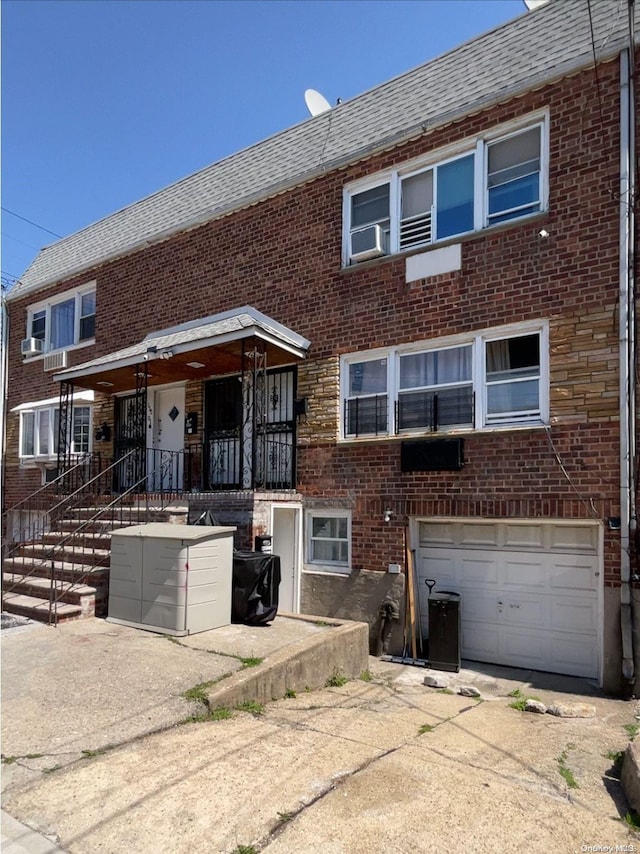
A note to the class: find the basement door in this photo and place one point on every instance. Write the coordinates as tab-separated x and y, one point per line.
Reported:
286	527
165	464
531	593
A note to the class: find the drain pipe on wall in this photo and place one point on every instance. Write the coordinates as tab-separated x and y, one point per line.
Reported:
627	354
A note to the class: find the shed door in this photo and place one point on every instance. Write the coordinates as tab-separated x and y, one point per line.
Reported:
530	593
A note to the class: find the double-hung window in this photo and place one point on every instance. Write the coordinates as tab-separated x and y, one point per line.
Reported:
490	180
366	401
512	379
514	186
64	321
435	389
491	378
39	432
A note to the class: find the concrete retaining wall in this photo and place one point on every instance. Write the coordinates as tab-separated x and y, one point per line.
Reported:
342	650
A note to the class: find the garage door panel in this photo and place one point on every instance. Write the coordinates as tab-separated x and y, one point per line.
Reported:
526	611
481	567
480	640
574	615
523	571
575	538
476	604
479	535
439	564
575	573
437	533
573	654
524	536
523	648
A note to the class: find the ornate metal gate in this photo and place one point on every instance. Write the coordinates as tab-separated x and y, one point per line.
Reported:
130	436
250	427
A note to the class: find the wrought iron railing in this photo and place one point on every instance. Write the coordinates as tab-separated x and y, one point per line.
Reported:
268	463
435	410
44	548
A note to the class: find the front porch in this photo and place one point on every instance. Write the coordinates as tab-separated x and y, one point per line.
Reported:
207	406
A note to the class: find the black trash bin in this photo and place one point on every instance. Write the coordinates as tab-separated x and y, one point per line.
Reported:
256	579
444	631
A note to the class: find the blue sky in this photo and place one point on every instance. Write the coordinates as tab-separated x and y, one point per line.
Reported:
106	101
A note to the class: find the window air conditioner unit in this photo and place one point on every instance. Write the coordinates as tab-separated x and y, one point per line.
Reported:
367	243
32	346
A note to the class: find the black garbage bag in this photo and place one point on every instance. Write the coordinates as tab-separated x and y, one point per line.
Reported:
256	579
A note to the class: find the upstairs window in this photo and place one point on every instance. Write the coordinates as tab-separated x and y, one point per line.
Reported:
513	176
63	322
436	389
366	403
512	371
494	180
370	220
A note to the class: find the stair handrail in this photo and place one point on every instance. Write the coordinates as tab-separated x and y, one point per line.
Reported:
68	500
81	490
118	500
46	486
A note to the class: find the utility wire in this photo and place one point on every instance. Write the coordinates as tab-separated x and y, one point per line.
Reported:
24	219
17	240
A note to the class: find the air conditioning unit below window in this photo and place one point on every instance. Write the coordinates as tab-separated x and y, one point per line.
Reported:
55	361
367	243
32	347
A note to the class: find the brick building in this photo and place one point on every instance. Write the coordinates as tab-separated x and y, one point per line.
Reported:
404	325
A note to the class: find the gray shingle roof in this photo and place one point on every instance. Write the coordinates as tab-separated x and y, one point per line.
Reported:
537	46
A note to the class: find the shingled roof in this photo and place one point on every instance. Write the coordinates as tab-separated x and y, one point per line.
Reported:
547	43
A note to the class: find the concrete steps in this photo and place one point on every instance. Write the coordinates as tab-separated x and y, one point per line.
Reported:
79	600
38	609
81	550
68	553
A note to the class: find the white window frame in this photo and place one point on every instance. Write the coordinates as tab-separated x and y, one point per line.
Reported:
314	565
46	306
50	455
478	341
478	148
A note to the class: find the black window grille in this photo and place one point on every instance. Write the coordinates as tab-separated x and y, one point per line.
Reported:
435	410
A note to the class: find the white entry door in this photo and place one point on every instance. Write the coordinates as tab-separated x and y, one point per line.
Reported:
165	464
530	593
286	544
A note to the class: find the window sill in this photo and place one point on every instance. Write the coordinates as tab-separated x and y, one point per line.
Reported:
40	357
312	569
539	216
448	434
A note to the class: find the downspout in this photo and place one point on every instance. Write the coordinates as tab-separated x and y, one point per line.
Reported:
627	354
4	365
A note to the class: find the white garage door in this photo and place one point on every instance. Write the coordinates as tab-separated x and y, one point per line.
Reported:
530	593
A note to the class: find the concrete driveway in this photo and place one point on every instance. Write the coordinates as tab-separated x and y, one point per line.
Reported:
379	764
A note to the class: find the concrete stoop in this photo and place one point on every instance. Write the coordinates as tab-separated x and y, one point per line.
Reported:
310	663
